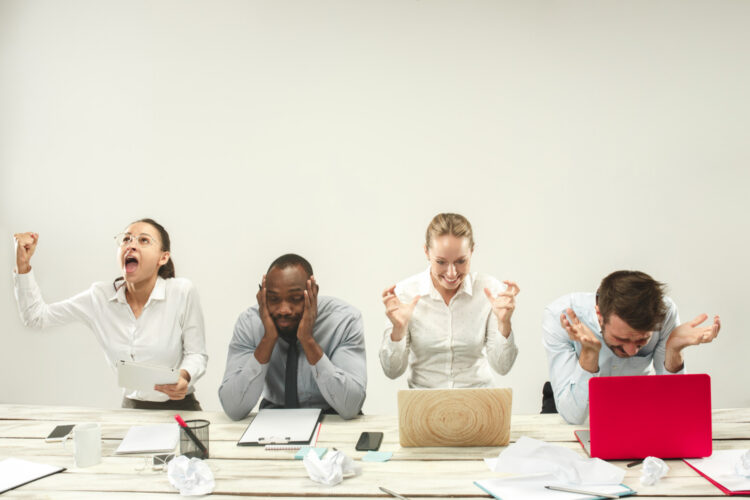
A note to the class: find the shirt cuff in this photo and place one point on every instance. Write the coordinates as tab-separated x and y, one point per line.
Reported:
324	368
510	339
393	346
25	280
582	376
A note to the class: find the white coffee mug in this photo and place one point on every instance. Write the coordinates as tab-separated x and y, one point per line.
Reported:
87	444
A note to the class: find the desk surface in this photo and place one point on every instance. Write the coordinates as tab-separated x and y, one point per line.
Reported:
252	471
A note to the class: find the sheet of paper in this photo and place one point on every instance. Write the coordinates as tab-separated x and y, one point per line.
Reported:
150	439
720	467
534	489
282	425
377	456
531	456
14	472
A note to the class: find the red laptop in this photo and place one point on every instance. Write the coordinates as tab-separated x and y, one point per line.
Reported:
664	416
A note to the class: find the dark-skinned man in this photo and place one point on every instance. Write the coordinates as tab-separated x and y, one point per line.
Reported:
297	349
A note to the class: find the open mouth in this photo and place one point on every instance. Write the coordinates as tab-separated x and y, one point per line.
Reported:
451	282
131	264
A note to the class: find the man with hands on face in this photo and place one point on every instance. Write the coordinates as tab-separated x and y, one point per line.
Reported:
298	349
627	328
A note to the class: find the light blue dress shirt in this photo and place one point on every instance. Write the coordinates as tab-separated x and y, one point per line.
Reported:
338	380
570	382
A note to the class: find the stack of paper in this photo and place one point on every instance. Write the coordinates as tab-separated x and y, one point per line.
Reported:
150	439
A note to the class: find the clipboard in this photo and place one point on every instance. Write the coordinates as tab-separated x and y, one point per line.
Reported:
281	426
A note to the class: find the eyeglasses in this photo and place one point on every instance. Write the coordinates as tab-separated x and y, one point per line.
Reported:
142	240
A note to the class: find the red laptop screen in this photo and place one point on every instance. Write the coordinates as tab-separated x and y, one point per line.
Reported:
664	416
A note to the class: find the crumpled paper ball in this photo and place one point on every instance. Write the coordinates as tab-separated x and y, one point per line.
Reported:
331	469
653	470
192	476
742	468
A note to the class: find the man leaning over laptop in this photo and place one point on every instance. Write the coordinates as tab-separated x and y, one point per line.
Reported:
626	328
300	350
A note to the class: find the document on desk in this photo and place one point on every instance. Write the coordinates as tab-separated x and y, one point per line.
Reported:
533	488
15	472
281	426
719	469
150	439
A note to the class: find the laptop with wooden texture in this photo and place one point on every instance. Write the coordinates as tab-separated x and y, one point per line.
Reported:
454	417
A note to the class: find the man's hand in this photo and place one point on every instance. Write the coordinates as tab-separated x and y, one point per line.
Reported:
503	306
268	325
178	390
398	312
25	247
687	334
579	332
313	352
271	334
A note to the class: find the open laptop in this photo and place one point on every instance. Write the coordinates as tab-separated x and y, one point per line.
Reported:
664	416
454	417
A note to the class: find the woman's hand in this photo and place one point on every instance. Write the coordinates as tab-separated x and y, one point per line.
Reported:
503	306
398	312
25	246
178	390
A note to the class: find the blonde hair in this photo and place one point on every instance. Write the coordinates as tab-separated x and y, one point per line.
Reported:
453	224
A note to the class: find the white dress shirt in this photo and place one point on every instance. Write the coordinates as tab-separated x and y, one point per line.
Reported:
169	331
452	345
570	382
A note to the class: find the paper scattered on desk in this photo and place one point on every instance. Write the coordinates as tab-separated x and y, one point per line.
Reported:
377	456
192	476
531	456
330	470
720	467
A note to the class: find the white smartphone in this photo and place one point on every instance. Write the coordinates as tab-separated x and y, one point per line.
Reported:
143	377
59	433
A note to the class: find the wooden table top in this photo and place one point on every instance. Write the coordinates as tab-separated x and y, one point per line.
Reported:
253	471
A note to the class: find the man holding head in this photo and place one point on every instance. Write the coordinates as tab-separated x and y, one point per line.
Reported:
298	349
627	328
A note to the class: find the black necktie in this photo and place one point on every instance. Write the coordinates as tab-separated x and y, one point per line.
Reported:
290	383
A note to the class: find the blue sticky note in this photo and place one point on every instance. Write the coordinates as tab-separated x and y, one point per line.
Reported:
305	449
377	456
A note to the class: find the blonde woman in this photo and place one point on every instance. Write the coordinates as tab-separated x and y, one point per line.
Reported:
447	323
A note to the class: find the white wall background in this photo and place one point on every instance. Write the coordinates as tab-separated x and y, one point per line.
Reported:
578	137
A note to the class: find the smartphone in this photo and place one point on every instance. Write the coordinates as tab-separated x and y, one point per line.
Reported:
369	441
59	433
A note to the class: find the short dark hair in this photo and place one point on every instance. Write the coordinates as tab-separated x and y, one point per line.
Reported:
635	297
289	260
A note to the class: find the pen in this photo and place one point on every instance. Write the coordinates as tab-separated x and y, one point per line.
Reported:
392	493
192	436
581	492
637	462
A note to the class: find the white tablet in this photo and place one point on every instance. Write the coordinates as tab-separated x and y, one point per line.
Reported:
143	377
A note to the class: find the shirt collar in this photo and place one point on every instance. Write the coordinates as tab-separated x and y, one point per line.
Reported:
158	293
426	287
